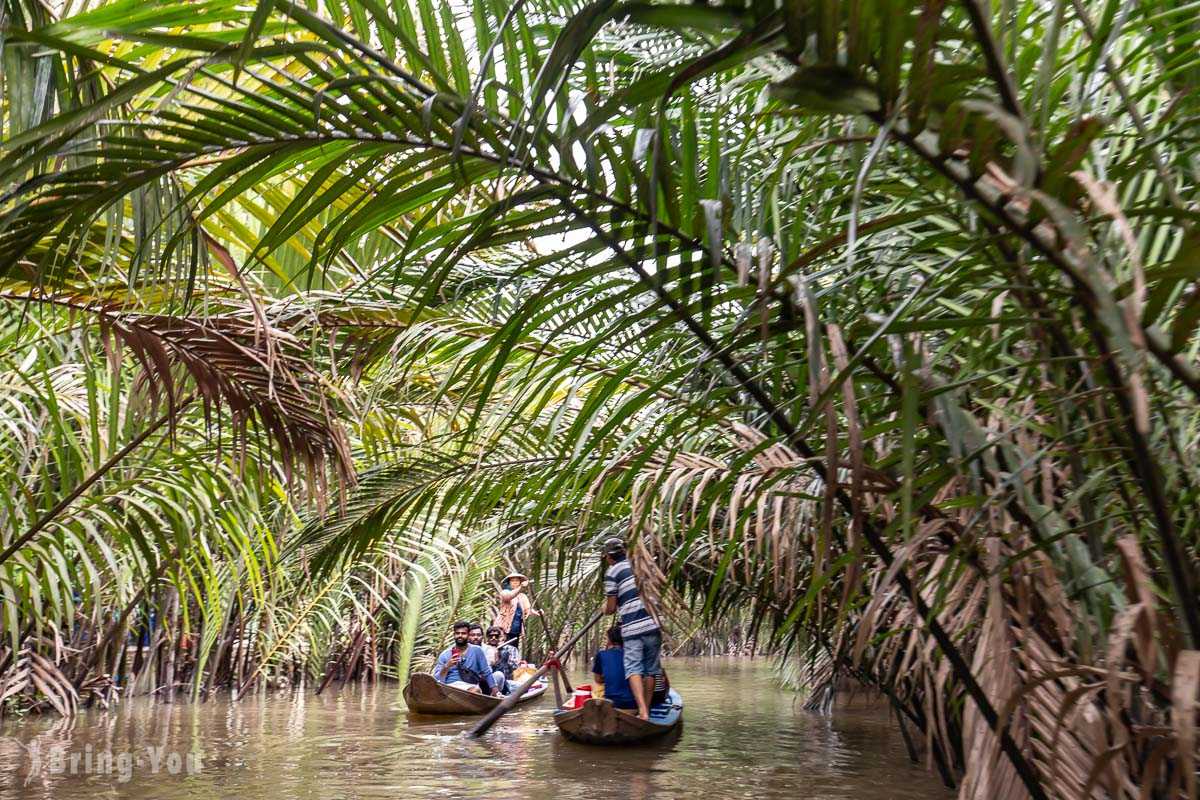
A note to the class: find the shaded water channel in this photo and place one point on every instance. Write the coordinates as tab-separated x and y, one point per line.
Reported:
742	737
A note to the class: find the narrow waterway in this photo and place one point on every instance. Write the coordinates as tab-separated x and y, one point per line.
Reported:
742	737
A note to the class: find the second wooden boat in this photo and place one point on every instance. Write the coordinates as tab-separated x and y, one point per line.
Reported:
598	721
425	695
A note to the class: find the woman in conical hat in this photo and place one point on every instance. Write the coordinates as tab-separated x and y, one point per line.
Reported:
514	608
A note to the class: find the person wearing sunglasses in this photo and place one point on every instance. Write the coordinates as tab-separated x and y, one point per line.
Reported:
503	657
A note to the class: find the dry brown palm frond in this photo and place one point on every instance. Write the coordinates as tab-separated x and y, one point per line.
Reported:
1185	706
227	359
1117	721
997	665
1094	731
238	364
36	682
1060	702
764	514
651	580
1151	722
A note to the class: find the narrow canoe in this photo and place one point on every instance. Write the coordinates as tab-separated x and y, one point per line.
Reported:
425	695
600	722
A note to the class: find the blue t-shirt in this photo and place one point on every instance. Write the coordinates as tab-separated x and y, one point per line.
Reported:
610	664
474	660
619	583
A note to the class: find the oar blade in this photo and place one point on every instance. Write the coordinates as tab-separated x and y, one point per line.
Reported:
506	705
496	713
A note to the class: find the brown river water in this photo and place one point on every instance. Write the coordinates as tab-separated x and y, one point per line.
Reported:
742	737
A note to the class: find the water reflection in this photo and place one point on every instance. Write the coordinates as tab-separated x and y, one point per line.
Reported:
742	737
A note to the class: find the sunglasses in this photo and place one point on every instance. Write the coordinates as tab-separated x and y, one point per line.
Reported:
494	636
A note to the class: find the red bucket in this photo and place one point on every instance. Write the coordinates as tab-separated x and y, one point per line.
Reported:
582	695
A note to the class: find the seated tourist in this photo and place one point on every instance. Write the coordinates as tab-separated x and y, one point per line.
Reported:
463	665
489	652
504	658
608	670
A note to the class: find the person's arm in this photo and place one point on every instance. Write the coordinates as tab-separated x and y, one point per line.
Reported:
507	595
610	593
527	605
485	669
443	666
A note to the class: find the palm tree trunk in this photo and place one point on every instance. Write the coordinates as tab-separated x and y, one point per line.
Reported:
119	623
172	645
224	639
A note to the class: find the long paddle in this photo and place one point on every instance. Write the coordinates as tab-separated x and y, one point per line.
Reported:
550	639
496	713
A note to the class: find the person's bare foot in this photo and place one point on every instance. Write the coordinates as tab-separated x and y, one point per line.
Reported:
644	716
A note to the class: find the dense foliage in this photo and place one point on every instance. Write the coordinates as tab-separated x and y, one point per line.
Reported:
872	322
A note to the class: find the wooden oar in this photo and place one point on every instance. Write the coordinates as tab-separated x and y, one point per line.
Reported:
560	676
496	713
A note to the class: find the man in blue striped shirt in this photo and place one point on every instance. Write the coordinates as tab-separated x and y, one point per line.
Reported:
643	639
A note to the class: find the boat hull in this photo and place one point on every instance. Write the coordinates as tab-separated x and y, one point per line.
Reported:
600	722
425	695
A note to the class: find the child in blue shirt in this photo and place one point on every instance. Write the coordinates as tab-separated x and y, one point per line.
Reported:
608	668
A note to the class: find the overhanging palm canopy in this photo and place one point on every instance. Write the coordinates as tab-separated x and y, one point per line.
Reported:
876	317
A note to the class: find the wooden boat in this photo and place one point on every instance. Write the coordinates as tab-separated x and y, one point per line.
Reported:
425	695
598	721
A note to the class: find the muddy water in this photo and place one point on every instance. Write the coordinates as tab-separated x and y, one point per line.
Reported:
742	737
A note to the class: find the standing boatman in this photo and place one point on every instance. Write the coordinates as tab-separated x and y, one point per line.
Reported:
643	638
515	607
